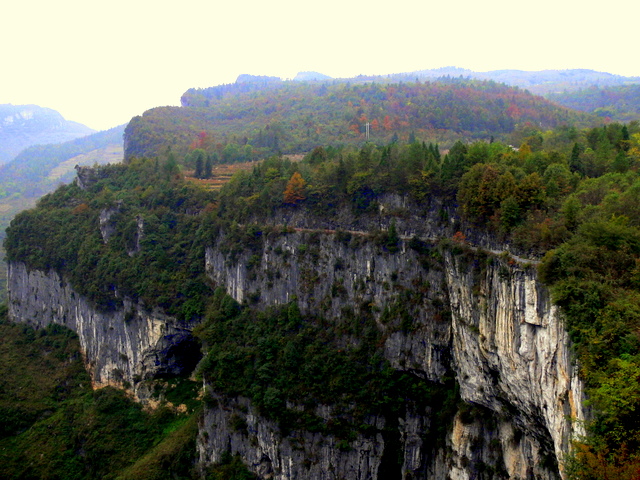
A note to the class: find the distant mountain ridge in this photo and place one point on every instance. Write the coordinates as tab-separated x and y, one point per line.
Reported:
37	169
541	82
600	93
311	77
619	102
23	126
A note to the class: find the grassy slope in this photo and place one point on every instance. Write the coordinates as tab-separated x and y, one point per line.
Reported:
53	425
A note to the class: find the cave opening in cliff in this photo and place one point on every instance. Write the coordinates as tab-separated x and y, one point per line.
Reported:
181	357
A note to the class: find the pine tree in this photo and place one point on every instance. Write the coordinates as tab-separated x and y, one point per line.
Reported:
393	239
575	163
208	167
198	172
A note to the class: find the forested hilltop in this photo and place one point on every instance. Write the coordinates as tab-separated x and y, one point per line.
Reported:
259	116
601	93
566	196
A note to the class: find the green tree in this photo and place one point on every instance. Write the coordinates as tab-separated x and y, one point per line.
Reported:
199	169
454	165
208	167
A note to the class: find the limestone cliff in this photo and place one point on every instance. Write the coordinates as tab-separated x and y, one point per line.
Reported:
481	315
442	308
121	348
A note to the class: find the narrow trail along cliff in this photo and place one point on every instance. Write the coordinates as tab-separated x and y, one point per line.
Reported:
466	359
405	238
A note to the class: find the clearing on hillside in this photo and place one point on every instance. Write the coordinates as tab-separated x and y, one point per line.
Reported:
221	174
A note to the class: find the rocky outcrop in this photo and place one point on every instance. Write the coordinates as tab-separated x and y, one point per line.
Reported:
234	425
511	351
432	219
107	225
482	316
480	444
122	348
86	176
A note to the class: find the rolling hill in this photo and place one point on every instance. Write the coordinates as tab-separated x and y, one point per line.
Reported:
259	116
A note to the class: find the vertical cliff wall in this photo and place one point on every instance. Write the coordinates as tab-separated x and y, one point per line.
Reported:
121	348
511	351
483	317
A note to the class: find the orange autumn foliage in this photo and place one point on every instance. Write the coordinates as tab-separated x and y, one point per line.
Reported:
295	190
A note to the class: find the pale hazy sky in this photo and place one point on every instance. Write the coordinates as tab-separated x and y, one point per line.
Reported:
102	62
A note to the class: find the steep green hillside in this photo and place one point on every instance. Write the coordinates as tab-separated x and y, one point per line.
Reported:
40	169
250	119
22	126
54	426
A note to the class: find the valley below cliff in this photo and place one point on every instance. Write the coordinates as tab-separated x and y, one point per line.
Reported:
494	391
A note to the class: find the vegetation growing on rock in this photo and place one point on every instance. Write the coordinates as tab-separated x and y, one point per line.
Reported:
571	195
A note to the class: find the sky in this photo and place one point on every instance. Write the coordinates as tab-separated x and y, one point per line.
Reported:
102	62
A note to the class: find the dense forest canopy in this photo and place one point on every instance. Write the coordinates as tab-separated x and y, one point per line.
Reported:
619	103
250	120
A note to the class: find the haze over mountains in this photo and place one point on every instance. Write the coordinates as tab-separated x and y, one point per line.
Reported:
22	126
604	94
540	82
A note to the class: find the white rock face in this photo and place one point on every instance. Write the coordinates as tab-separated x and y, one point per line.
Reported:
17	117
510	349
268	453
121	348
486	319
